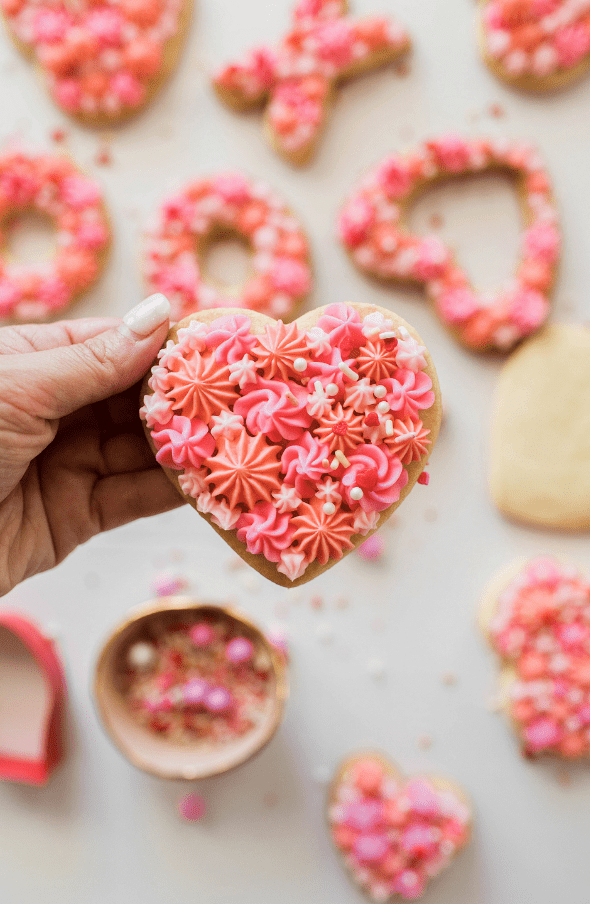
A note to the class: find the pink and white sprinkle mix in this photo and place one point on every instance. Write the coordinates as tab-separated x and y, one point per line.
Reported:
228	204
195	687
539	39
296	440
395	835
100	58
542	632
298	77
54	187
372	229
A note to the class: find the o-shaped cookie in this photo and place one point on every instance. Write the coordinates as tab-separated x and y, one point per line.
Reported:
220	207
102	61
372	229
53	187
537	45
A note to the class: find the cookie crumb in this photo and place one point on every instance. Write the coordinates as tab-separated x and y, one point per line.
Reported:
103	157
59	135
497	111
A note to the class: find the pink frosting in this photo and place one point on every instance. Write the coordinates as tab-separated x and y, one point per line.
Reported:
343	325
381	477
183	443
265	531
302	465
409	392
268	408
372	228
230	337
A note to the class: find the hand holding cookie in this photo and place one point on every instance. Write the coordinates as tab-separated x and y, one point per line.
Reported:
74	461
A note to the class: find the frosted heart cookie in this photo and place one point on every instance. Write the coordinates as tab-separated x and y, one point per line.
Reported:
219	207
102	60
372	227
540	437
537	619
54	188
395	835
295	442
297	80
538	45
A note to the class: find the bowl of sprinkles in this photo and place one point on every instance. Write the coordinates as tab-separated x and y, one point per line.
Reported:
188	690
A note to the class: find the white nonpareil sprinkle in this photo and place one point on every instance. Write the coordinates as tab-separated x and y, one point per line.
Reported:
331	389
300	364
328	508
383	407
379	392
356	493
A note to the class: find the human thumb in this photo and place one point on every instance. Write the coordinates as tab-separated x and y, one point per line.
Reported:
62	380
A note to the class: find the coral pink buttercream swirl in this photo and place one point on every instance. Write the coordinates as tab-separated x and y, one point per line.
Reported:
380	476
265	531
275	409
183	443
303	464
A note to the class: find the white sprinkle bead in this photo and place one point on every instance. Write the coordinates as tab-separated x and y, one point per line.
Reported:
335	465
356	493
383	407
300	364
325	463
388	334
342	458
328	508
331	389
379	392
141	656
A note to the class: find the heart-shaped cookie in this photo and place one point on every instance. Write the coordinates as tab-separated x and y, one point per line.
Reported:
395	835
102	60
540	443
372	226
295	442
537	619
538	45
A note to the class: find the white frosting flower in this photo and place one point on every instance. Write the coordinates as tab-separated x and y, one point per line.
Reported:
286	500
360	395
318	342
328	491
292	564
318	403
192	337
223	516
243	371
410	355
364	522
193	482
227	424
157	409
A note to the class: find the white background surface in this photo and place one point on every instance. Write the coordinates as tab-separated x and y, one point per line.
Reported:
102	833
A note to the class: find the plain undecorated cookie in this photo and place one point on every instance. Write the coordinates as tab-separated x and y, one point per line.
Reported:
540	441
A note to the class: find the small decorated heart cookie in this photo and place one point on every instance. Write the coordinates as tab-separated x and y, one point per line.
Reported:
373	229
540	442
102	60
395	835
294	442
537	619
538	45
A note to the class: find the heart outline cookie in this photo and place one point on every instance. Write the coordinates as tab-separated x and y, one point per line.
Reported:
535	617
394	835
106	61
372	227
262	503
535	45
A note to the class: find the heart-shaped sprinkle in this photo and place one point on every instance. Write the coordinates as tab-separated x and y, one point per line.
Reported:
372	229
395	835
540	454
539	624
53	187
220	207
102	59
296	441
536	44
298	78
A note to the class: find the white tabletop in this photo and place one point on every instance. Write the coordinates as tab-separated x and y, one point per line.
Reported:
103	832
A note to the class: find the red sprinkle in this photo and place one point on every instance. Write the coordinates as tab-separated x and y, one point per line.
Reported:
424	478
372	419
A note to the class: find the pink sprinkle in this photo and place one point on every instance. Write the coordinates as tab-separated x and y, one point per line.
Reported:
202	634
371	848
239	650
195	691
168	586
372	548
424	478
218	700
192	807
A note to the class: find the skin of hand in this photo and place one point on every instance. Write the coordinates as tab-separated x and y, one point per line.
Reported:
74	460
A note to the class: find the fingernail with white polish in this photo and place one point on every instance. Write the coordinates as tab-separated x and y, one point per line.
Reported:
141	321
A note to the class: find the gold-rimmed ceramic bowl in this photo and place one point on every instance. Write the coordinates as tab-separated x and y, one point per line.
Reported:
151	751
